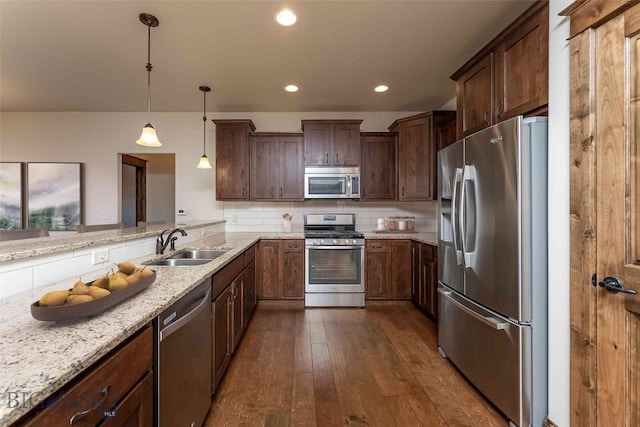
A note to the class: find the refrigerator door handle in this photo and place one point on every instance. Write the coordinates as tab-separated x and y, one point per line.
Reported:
489	321
454	215
468	174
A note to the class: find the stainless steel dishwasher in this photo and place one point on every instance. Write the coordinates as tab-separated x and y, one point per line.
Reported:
182	360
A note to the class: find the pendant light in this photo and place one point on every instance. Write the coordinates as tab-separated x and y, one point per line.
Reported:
148	138
204	160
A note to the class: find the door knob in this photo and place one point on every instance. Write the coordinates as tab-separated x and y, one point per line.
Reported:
612	285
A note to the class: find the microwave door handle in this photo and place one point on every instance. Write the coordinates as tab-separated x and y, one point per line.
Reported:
348	185
454	215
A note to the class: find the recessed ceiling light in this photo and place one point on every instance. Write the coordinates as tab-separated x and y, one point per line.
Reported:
381	88
291	88
286	17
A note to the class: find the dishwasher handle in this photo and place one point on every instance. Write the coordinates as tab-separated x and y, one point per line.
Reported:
173	327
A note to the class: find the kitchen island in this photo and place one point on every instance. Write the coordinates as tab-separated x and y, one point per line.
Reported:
38	358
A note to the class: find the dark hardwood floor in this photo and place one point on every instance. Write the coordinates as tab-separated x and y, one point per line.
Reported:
377	366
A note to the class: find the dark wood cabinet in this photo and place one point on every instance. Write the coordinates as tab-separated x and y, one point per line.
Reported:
445	131
222	319
417	172
425	278
280	269
237	297
388	269
232	159
130	390
508	77
378	165
277	166
250	293
331	143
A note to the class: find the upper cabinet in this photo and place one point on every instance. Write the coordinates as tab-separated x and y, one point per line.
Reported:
378	165
276	166
417	148
508	77
331	143
232	159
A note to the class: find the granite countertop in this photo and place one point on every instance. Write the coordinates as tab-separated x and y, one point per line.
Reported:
428	238
38	358
27	248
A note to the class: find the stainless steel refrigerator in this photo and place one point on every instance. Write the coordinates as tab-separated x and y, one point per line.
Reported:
492	264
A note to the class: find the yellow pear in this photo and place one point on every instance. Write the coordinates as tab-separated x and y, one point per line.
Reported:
78	299
133	278
120	273
116	282
102	282
79	288
145	272
127	267
53	298
98	292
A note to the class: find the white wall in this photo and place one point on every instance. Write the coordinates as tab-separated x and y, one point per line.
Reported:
161	195
559	340
95	139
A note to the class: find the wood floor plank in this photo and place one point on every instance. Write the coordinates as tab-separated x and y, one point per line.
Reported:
302	356
327	404
303	401
316	326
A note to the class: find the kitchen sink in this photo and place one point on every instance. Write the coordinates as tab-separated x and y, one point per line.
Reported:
207	254
178	261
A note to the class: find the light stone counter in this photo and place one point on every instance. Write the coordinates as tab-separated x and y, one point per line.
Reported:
38	358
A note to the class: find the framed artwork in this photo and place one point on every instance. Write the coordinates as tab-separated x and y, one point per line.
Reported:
54	195
11	200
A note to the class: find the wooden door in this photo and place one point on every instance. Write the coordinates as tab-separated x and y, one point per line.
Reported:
415	272
415	154
290	168
400	252
237	296
474	91
263	167
318	142
268	269
377	269
222	339
293	269
346	144
232	159
428	280
605	213
521	69
378	166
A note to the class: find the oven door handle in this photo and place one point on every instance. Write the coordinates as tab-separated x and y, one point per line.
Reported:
323	248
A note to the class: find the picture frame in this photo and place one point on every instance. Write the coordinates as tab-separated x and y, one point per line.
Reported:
54	196
11	195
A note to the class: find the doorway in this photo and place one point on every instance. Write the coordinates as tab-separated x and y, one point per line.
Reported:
148	188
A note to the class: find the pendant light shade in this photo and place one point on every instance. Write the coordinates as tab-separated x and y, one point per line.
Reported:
204	160
148	138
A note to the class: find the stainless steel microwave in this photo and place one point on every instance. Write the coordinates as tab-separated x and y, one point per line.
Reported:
331	183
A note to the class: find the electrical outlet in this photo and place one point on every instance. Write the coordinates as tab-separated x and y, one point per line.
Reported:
100	257
182	212
104	215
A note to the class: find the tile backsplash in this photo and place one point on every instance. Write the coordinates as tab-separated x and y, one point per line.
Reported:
267	217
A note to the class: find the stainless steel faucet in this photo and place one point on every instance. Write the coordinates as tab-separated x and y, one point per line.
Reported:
162	244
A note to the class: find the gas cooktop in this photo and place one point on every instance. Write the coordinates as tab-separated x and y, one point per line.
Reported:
334	234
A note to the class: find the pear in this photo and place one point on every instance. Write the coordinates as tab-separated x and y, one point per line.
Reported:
145	272
133	278
78	299
116	282
97	293
127	267
102	282
120	273
53	298
79	288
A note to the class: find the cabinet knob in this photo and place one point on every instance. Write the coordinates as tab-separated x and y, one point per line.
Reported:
327	161
337	158
280	191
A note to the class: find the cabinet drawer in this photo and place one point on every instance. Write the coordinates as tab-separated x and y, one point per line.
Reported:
376	246
293	245
249	255
101	387
225	276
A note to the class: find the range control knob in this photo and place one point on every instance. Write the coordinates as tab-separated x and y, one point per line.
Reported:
321	241
335	242
355	241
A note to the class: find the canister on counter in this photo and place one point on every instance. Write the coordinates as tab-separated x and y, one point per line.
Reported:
392	223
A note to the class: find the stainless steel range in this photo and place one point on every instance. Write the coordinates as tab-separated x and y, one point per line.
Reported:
334	261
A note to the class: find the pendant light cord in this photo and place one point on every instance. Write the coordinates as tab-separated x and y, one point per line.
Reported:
149	68
204	125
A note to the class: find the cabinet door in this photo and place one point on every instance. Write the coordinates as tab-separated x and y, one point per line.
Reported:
428	299
415	154
263	167
378	167
290	168
250	295
318	144
377	269
293	270
232	162
346	144
136	409
400	268
474	90
268	269
237	296
222	338
522	69
415	272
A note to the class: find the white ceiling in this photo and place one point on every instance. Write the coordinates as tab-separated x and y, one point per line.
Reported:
90	55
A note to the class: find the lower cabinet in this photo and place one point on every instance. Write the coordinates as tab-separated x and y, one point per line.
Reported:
425	278
280	269
116	391
388	269
222	312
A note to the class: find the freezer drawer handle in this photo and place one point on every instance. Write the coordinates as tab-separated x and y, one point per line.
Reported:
164	333
489	321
